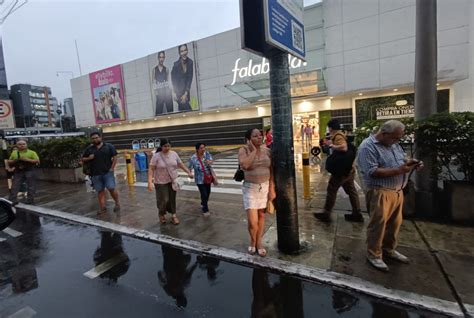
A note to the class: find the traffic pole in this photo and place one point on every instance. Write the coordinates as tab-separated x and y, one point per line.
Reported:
283	153
130	175
306	178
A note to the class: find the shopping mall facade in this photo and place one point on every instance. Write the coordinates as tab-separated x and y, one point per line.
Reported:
359	66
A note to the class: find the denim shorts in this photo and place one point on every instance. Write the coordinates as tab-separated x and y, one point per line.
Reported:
103	181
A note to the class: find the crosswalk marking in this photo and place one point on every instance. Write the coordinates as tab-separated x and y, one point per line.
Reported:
25	312
12	232
195	189
105	266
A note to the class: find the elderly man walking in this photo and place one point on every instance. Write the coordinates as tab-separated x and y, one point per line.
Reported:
384	168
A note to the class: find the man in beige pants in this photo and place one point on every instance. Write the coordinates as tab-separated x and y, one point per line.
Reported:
384	168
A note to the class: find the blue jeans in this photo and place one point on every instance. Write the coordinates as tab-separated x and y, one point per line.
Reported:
104	181
205	190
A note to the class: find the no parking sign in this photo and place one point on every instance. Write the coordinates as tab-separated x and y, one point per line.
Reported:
6	115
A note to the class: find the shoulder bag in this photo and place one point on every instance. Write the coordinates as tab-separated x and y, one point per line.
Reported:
339	163
208	178
176	182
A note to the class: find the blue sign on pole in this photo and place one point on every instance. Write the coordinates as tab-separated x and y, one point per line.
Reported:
284	26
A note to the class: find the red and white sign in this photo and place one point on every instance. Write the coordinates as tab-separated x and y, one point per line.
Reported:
7	119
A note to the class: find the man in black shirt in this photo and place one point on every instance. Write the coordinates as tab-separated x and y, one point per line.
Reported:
182	77
162	87
102	158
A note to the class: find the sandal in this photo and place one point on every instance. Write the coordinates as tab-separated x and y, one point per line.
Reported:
162	219
262	252
251	250
174	220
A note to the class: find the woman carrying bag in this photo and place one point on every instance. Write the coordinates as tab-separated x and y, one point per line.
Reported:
201	163
163	176
258	187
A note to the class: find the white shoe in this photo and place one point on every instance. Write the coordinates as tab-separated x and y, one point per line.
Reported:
378	263
397	256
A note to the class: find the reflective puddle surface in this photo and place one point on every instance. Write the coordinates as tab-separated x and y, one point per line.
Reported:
52	269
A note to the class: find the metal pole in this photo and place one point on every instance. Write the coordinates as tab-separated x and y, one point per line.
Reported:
78	59
426	55
283	154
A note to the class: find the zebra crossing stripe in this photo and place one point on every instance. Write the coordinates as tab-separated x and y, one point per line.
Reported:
105	266
12	232
25	312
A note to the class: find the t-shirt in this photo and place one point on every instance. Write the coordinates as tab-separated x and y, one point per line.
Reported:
28	154
164	165
102	161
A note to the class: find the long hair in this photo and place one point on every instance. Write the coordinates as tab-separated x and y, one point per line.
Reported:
248	133
163	141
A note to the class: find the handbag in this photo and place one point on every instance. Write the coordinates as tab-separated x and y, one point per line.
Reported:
239	175
208	178
176	182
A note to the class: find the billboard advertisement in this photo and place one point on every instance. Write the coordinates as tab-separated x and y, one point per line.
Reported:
173	80
108	95
7	119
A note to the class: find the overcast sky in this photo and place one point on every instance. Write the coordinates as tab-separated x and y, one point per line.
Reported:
38	39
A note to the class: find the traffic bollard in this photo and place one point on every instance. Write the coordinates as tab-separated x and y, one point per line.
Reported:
306	179
130	176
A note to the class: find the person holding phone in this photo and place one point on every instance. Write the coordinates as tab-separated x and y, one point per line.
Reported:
258	188
385	170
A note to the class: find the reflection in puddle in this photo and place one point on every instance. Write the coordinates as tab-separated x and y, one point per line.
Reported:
47	260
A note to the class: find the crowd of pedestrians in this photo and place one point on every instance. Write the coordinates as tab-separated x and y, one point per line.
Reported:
381	162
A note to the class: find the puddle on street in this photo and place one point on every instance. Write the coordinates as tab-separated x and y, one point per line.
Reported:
56	269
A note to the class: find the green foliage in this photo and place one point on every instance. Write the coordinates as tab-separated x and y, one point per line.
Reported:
371	126
61	153
449	137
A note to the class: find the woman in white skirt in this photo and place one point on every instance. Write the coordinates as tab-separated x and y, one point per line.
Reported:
258	188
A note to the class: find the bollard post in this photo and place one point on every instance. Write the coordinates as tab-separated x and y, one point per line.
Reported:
306	179
130	176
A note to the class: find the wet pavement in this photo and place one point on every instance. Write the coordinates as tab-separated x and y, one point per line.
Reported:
50	268
442	255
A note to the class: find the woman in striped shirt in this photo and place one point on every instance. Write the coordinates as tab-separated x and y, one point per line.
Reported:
258	188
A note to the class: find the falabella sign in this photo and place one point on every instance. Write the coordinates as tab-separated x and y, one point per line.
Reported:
263	68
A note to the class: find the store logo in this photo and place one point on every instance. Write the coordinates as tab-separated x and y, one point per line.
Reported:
262	68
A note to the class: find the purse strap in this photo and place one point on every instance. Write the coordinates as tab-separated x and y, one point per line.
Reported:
202	166
166	165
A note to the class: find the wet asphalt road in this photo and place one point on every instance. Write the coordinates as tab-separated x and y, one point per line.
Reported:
50	268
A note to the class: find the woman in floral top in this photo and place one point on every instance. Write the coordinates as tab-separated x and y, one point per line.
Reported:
203	177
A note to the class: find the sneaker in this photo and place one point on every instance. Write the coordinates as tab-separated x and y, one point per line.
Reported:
354	217
397	257
378	263
206	214
323	217
117	208
103	210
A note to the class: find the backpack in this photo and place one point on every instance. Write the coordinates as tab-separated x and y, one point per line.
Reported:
339	163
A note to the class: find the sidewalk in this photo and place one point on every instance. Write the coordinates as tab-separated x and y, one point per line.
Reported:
442	255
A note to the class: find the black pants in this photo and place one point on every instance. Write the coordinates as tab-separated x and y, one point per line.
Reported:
186	106
205	190
164	104
18	178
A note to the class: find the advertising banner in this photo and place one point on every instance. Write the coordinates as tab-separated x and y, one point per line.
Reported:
7	119
108	95
173	80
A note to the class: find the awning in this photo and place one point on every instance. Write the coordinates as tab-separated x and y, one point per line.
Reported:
302	84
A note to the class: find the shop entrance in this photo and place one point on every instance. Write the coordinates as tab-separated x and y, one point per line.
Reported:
306	130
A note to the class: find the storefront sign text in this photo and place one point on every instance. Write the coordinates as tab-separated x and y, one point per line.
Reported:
392	112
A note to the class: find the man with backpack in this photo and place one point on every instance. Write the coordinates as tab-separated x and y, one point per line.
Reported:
340	164
22	163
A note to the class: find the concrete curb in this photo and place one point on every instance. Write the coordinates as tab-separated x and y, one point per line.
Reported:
275	265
